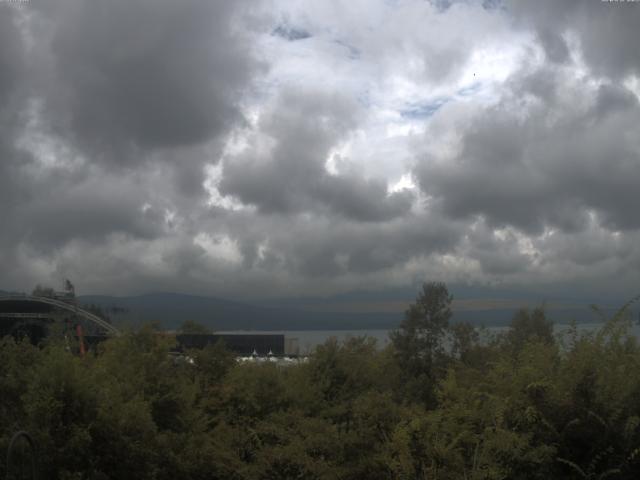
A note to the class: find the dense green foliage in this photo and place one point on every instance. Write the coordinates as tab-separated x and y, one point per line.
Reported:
189	326
439	403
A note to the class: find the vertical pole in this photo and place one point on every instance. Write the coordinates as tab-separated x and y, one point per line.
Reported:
81	340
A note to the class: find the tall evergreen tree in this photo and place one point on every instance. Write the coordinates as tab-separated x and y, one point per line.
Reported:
419	339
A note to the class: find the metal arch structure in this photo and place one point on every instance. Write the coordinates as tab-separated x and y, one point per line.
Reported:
110	329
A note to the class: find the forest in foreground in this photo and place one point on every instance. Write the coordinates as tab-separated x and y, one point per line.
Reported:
442	401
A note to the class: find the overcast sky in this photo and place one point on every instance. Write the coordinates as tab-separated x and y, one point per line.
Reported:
285	148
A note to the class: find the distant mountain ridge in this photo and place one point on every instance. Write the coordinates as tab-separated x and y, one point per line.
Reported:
171	309
343	313
351	311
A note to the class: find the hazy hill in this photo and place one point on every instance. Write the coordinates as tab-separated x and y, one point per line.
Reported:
357	311
171	309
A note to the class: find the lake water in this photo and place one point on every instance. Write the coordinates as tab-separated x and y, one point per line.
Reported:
308	340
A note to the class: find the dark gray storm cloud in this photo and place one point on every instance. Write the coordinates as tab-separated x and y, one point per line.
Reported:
131	76
11	52
11	70
148	87
89	211
226	147
288	175
542	159
497	255
607	31
302	253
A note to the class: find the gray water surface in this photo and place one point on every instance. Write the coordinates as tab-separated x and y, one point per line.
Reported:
308	340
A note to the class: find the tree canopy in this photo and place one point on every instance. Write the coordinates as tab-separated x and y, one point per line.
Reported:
523	404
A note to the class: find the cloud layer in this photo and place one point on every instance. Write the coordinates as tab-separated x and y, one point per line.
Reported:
255	149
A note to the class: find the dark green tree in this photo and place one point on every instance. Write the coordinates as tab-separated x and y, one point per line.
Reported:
464	342
529	326
418	341
191	326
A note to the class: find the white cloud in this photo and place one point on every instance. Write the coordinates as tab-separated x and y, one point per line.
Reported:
219	247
